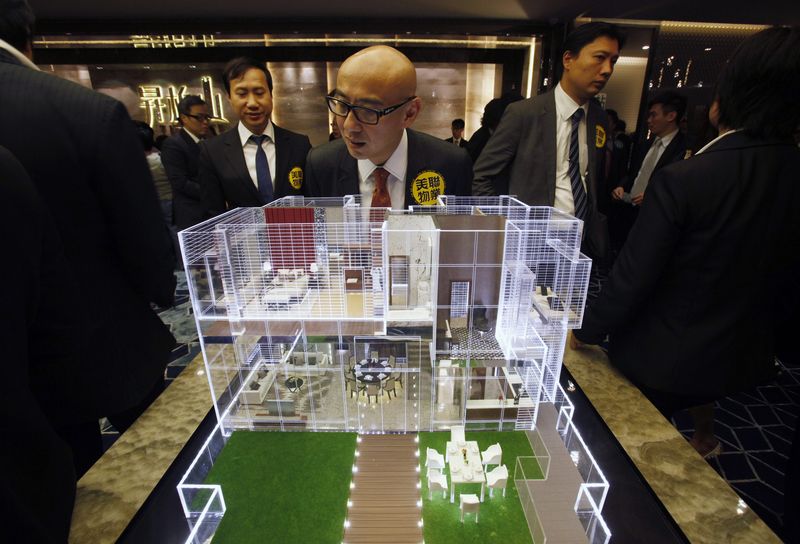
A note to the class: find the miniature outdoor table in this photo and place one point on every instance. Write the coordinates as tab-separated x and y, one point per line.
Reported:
371	371
470	472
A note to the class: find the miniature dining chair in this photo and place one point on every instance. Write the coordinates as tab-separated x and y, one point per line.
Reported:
388	386
457	434
497	479
434	459
436	481
493	455
470	504
374	390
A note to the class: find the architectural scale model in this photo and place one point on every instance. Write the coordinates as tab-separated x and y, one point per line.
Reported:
323	315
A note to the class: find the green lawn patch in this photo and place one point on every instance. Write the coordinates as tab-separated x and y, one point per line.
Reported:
284	486
501	518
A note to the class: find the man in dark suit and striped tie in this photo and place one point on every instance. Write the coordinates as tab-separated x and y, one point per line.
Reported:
552	146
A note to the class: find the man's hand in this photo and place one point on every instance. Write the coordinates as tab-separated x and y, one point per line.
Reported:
617	193
637	199
574	343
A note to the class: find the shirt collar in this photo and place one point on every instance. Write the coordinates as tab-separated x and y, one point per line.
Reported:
718	138
192	136
666	140
396	164
244	132
566	106
22	59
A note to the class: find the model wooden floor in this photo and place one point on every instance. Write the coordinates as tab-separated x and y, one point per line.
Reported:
384	500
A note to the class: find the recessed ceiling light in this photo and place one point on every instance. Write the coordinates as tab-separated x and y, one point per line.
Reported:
707	49
645	47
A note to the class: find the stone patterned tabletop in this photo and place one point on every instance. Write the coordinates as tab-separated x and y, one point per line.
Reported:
702	504
111	492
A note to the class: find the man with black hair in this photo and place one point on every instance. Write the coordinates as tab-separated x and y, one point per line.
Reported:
667	145
457	129
709	270
180	154
256	162
553	145
81	150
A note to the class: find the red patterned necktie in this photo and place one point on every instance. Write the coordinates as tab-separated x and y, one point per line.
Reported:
380	196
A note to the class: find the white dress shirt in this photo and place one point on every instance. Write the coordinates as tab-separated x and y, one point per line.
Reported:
396	165
565	107
249	148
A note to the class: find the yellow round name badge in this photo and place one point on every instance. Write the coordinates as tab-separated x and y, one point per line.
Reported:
296	177
599	136
427	187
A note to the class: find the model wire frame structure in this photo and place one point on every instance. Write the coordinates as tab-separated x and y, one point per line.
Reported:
320	314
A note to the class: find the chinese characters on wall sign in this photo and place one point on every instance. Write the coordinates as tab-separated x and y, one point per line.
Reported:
167	41
161	106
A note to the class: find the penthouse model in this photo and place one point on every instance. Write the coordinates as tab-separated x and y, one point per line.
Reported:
323	315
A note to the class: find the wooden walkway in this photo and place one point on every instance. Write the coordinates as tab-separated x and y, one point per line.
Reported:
384	500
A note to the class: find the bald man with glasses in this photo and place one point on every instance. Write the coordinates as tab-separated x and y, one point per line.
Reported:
379	156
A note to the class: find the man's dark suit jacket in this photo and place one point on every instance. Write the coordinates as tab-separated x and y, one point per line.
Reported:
462	143
523	150
81	151
332	171
179	155
37	489
674	152
621	214
709	269
225	180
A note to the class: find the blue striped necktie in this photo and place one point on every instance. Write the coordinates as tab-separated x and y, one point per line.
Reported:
578	192
262	169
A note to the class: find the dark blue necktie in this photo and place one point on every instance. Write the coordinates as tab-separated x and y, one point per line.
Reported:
262	169
578	193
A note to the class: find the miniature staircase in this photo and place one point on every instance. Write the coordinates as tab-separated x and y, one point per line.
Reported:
384	499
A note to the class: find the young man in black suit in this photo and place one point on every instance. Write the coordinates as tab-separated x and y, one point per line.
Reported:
81	150
457	129
179	155
709	270
255	162
379	156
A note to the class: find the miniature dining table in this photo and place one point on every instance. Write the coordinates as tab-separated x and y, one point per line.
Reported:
372	371
464	460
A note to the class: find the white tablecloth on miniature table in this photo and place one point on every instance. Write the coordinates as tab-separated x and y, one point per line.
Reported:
470	472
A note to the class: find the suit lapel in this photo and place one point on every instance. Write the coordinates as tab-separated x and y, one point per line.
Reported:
347	182
547	135
235	157
415	162
193	147
668	156
281	160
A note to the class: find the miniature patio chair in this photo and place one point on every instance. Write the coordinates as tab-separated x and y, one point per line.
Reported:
436	481
398	378
388	386
457	434
497	479
493	455
434	459
470	504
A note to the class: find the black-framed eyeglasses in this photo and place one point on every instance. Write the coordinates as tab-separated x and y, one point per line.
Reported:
200	117
368	116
